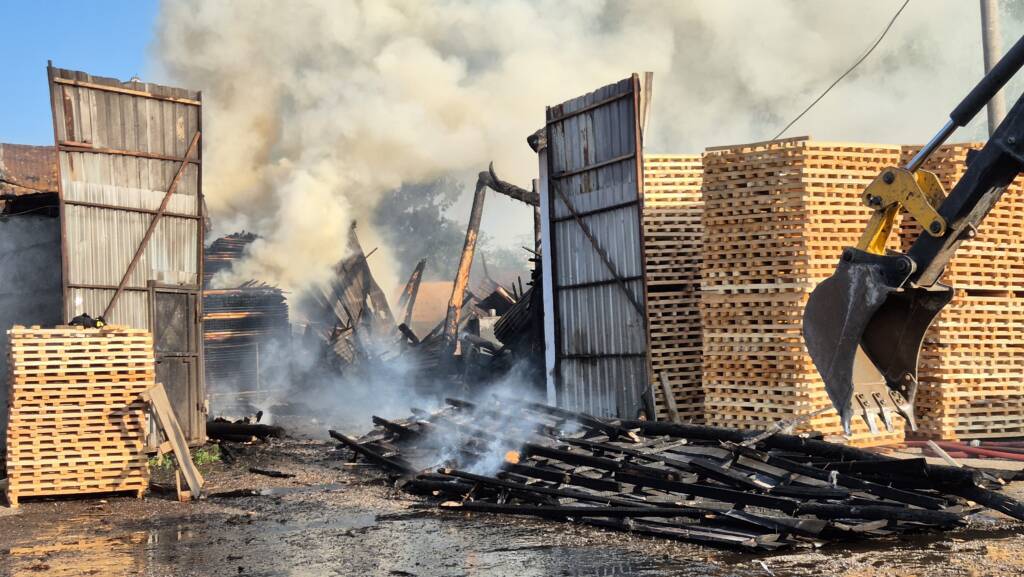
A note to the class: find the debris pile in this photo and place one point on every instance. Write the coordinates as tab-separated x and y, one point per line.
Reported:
242	326
351	313
709	485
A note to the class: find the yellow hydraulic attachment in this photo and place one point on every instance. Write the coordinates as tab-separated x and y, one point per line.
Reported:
918	192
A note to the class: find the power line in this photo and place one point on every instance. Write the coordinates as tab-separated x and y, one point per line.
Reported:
845	74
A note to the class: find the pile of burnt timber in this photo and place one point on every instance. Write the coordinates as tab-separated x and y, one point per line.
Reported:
242	325
715	486
350	312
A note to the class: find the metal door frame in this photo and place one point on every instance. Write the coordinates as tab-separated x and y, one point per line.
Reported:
198	436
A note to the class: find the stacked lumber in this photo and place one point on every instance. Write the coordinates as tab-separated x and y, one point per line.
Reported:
77	420
776	217
672	238
971	370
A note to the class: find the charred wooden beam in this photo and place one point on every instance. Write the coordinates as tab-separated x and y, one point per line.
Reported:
234	438
271	473
811	528
880	512
394	464
715	492
407	333
510	190
545	491
695	534
809	493
451	488
942	475
411	290
222	430
234	494
613	430
910	467
563	477
993	500
450	333
563	511
851	482
397	428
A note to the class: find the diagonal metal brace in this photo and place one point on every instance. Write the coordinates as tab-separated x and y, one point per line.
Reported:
152	226
600	251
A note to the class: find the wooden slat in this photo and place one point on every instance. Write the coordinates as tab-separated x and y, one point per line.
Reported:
123	90
157	397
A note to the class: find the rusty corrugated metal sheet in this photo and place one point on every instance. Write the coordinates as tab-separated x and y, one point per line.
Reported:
593	154
34	168
120	145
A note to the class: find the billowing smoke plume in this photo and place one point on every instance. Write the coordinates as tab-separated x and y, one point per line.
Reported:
315	109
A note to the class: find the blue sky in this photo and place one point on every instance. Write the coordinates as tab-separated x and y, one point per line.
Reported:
106	38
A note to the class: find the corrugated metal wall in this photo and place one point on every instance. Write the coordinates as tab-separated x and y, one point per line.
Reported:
593	206
120	145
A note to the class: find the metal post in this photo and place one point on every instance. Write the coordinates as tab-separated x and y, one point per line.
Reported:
536	219
992	48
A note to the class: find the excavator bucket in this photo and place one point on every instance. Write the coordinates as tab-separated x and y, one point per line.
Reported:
877	307
863	318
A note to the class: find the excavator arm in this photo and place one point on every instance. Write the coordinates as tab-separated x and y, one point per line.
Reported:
878	304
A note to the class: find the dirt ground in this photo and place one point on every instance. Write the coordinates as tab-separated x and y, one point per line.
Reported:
335	518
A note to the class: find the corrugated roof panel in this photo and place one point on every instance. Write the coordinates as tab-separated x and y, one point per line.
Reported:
34	168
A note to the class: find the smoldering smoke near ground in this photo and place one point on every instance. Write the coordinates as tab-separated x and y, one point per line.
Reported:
391	390
316	108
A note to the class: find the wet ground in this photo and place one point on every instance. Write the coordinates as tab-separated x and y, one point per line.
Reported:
334	518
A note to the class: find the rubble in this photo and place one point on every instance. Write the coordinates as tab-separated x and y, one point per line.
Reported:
714	486
244	326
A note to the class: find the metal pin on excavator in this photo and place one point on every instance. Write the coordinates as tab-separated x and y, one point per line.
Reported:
877	306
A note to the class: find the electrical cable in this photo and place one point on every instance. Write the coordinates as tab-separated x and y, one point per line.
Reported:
848	71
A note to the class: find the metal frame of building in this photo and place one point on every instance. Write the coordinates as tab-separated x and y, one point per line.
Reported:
593	255
132	223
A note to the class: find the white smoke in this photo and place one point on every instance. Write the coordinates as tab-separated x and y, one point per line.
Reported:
313	109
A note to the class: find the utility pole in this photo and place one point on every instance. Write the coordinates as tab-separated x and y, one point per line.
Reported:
992	48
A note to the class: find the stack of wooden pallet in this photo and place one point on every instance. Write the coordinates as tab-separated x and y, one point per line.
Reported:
672	239
77	420
972	363
776	218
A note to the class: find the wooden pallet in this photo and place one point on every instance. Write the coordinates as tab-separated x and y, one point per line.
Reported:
77	420
672	239
972	369
776	217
